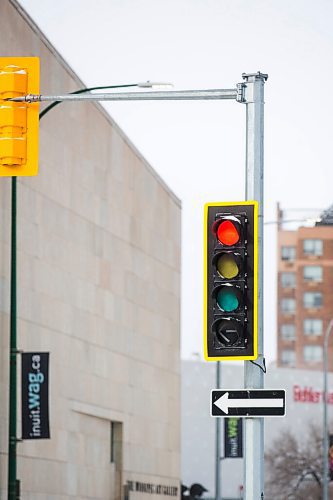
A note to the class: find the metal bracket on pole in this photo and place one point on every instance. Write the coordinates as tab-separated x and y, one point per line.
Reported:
241	92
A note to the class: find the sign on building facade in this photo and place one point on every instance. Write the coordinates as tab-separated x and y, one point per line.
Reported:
233	437
35	395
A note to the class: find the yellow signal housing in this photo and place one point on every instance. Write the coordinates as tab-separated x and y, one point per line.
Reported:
19	121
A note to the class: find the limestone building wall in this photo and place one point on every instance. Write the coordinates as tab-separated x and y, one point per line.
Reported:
98	288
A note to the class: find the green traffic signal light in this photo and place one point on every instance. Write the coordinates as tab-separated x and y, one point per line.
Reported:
228	298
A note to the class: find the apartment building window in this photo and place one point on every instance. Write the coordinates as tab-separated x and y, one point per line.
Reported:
288	252
313	326
288	332
313	353
288	305
288	357
312	299
313	247
313	273
288	280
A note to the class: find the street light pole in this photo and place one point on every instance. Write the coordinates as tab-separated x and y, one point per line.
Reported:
325	427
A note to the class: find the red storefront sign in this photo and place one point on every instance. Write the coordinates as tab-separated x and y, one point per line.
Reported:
309	395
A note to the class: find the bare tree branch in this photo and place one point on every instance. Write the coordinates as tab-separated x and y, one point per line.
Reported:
294	467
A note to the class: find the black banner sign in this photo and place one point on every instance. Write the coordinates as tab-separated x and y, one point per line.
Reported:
35	395
233	438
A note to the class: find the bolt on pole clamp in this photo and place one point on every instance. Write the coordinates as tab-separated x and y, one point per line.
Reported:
240	97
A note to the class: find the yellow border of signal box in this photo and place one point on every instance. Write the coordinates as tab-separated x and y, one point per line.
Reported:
255	281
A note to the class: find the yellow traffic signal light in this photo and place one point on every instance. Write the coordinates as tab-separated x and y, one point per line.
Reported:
231	281
19	121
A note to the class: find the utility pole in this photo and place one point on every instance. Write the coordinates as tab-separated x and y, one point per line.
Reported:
254	190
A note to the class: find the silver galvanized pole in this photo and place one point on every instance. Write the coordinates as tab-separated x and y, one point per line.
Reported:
218	441
325	427
253	374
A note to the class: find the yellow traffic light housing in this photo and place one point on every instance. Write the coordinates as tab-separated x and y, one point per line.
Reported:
231	281
19	121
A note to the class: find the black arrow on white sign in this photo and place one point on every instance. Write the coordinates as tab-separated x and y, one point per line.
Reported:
248	403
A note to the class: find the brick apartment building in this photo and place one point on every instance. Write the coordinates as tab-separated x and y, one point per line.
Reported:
305	292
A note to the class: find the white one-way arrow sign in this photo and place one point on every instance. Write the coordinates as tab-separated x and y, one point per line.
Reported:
259	402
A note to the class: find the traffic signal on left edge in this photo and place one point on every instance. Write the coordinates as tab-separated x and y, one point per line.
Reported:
231	281
19	121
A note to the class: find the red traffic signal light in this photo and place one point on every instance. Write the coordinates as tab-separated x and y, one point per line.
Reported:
231	255
227	231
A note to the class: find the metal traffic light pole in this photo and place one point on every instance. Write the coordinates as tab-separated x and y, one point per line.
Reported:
251	93
254	190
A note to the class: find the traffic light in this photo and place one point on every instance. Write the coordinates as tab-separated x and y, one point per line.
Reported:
230	281
19	121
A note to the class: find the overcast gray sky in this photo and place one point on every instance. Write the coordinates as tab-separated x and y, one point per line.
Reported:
198	148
